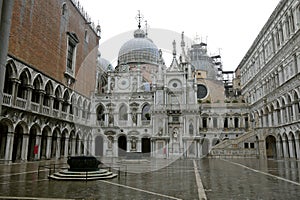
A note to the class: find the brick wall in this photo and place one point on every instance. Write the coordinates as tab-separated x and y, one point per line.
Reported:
39	38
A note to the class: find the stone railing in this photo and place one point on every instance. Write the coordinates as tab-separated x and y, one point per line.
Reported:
34	107
233	153
46	110
7	99
21	103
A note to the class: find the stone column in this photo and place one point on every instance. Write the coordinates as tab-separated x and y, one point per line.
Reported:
115	147
262	149
58	143
279	150
297	148
79	147
285	148
24	151
73	146
85	147
9	146
275	122
66	148
38	143
48	150
294	111
291	148
282	115
42	94
139	145
139	118
14	93
51	99
28	96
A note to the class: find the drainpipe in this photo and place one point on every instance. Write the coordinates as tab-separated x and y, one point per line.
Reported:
6	8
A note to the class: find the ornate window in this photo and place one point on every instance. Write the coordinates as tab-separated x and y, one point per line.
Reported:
100	113
146	112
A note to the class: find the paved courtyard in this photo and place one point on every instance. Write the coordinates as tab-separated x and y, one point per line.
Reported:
161	179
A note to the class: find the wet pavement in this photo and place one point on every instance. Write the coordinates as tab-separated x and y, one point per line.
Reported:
161	179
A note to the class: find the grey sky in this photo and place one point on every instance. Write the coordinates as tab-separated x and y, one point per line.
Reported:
227	25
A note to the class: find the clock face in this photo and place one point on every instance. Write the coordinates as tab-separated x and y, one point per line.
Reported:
123	83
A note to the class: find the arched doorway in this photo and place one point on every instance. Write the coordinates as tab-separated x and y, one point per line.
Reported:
43	151
122	144
146	146
54	145
18	140
63	144
99	146
271	147
31	144
3	138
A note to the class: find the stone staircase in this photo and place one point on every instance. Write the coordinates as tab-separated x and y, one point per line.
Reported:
66	175
233	148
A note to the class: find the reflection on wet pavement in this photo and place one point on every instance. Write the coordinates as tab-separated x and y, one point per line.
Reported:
163	179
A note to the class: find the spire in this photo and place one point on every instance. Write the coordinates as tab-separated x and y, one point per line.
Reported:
174	48
146	28
182	40
139	18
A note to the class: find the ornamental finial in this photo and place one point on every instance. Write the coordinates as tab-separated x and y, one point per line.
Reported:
139	18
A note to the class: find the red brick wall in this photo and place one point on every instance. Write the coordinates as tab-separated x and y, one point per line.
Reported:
39	38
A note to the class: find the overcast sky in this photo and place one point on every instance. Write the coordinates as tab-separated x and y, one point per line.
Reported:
228	26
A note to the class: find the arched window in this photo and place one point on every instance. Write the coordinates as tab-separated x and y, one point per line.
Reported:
23	86
56	99
100	113
123	113
236	122
8	83
146	112
73	104
65	103
37	83
49	91
191	129
64	9
226	122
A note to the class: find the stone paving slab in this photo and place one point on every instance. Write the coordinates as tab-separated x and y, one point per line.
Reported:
162	179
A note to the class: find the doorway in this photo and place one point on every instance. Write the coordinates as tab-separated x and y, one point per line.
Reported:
122	144
146	146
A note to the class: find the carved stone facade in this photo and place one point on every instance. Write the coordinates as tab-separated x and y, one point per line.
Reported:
270	83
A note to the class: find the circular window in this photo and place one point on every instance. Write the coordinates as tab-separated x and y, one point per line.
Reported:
175	85
201	91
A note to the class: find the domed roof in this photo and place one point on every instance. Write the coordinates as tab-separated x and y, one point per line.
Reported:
104	64
140	49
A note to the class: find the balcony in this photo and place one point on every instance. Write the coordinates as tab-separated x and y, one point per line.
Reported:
7	99
46	110
21	103
34	107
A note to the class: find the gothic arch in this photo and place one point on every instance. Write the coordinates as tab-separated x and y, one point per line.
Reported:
11	64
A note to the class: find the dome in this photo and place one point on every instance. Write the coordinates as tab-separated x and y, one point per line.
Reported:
140	49
104	64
